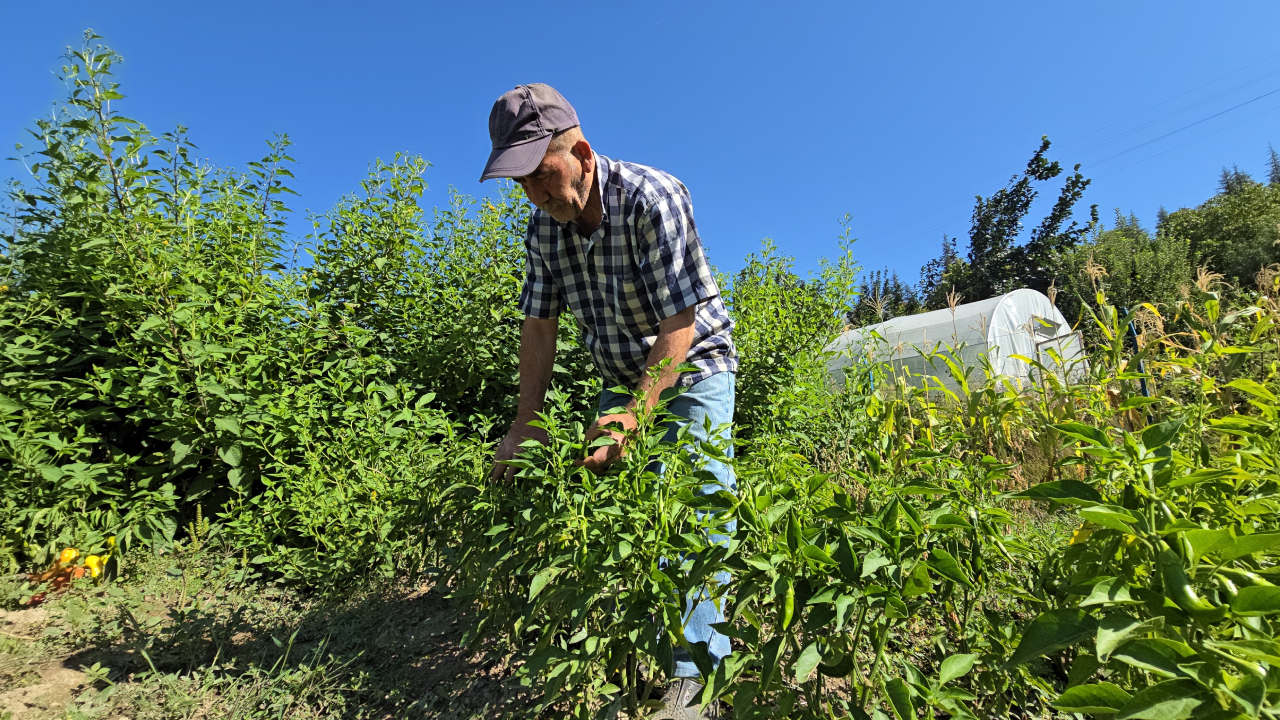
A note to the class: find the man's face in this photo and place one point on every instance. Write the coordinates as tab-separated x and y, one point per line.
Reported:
560	185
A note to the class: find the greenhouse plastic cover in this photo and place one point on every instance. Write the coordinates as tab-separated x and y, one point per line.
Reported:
1023	322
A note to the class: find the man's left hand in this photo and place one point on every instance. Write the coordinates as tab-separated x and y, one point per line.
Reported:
614	426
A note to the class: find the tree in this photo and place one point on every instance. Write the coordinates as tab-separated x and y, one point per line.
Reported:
996	263
1129	263
881	296
933	276
1234	232
1234	180
1273	174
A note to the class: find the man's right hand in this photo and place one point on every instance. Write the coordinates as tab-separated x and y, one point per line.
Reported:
510	446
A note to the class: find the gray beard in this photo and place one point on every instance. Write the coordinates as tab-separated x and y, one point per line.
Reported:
582	189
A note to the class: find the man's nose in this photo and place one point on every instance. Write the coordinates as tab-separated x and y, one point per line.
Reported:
537	195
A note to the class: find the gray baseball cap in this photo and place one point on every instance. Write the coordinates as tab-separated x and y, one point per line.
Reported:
521	125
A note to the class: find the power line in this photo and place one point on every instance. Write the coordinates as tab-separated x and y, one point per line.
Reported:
1175	147
1166	116
1186	127
1175	97
1107	159
953	203
1015	166
954	219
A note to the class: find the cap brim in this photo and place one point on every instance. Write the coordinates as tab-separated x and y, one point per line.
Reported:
516	160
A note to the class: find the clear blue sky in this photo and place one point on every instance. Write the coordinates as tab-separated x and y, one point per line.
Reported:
779	117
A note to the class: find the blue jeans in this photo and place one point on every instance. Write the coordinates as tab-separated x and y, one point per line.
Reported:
709	398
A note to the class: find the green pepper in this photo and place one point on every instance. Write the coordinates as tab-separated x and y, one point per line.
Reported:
1179	589
788	603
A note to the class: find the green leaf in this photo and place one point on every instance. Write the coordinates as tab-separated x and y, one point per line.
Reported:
1085	433
1110	591
621	552
180	451
918	488
151	323
1267	651
899	695
1204	542
1071	492
1168	700
1108	516
894	608
956	666
1136	402
808	660
540	581
1161	434
817	554
1102	697
943	563
1256	600
231	455
873	561
1158	655
1253	388
1202	475
1116	629
1052	631
772	514
950	520
918	583
228	425
718	500
769	657
1249	544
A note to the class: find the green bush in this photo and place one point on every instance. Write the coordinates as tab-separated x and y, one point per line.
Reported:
1130	264
782	322
161	353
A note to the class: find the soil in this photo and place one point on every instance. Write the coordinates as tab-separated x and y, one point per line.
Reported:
409	639
54	689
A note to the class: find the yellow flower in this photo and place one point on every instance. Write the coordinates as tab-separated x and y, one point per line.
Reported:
373	495
95	565
1081	535
68	556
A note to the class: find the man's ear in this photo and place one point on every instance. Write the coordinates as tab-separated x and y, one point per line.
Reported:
582	151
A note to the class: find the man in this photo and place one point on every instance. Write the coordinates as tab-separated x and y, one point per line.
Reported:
615	244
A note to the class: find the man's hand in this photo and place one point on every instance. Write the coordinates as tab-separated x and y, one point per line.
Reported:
615	426
510	446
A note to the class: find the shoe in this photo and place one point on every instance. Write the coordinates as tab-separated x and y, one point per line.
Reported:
679	694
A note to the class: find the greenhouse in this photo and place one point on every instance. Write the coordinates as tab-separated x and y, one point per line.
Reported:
1008	330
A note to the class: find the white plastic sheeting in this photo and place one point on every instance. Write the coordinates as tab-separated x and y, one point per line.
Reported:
1020	323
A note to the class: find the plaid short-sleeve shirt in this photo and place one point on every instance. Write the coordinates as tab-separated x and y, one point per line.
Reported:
643	265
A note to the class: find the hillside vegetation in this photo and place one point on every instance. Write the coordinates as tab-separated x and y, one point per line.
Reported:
281	452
